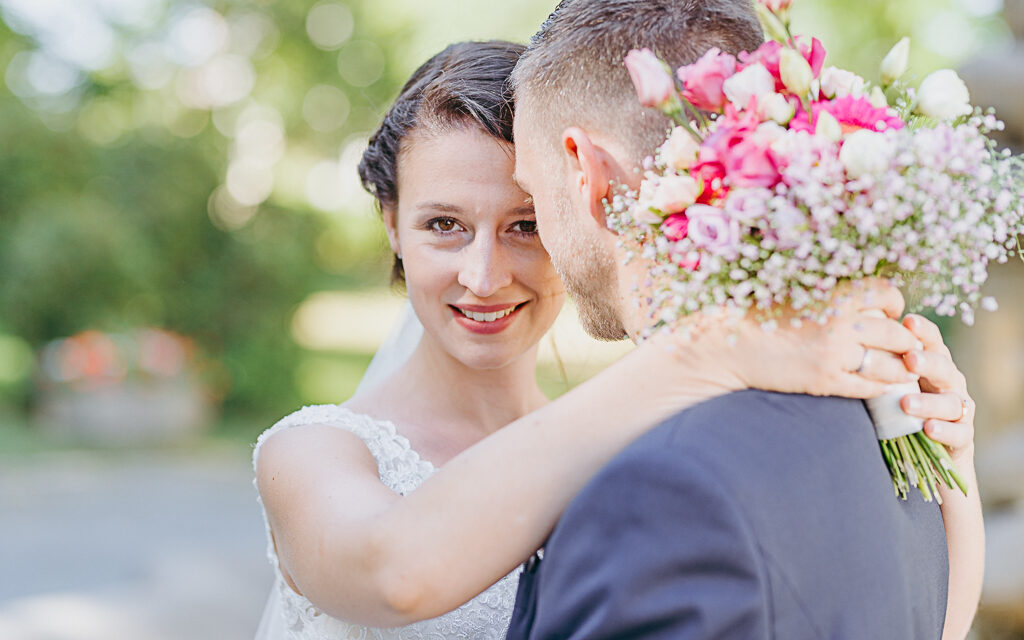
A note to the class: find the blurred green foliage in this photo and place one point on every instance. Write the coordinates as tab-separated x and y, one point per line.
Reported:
131	193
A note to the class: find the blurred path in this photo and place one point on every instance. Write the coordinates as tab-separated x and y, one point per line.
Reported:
145	546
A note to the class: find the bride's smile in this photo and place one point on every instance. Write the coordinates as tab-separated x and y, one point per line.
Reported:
486	319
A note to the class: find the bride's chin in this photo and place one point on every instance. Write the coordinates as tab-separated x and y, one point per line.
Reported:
487	361
487	357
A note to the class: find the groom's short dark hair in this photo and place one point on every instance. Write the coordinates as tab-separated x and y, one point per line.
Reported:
574	64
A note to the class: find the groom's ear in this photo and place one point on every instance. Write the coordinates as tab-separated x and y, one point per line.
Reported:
590	171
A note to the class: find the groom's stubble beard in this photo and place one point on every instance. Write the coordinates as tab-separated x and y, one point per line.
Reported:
588	270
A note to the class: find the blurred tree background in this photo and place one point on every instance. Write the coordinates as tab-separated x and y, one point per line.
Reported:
183	235
191	165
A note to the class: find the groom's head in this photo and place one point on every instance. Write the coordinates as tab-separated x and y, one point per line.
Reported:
579	124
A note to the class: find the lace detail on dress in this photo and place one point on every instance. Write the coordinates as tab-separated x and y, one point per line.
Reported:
402	470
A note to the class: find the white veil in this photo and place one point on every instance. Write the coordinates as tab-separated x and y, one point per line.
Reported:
395	350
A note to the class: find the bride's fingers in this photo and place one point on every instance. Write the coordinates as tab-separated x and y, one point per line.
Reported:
937	370
927	332
955	435
883	334
876	293
940	406
884	366
852	385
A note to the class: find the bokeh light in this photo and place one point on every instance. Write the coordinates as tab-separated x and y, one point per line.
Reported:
329	25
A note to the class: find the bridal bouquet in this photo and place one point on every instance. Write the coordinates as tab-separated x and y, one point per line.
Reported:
785	177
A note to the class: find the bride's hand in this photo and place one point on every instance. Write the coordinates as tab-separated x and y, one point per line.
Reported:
831	359
944	404
948	412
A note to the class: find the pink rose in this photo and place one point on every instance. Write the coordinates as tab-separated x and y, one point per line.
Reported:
675	193
738	153
675	226
703	80
750	164
713	229
712	176
654	85
728	132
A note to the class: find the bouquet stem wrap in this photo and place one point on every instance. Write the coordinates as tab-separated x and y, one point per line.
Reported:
913	459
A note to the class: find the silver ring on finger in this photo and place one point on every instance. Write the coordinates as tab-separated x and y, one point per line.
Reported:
965	406
863	361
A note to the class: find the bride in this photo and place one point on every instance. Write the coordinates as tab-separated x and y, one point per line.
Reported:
405	512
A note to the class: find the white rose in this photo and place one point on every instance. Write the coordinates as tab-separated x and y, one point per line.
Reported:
866	152
680	150
943	96
675	193
775	107
839	83
754	81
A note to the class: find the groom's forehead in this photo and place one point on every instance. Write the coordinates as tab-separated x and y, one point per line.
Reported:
517	176
523	141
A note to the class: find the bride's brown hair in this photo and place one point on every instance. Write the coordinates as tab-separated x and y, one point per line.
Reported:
466	85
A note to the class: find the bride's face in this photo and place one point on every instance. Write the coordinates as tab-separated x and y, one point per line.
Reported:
476	273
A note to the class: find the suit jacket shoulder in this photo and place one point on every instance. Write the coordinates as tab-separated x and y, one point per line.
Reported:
753	515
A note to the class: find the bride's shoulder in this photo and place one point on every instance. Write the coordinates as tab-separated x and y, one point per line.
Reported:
327	420
340	437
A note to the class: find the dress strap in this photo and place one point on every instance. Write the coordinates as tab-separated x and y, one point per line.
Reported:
401	468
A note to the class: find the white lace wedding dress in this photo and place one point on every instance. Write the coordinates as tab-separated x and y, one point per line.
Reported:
291	616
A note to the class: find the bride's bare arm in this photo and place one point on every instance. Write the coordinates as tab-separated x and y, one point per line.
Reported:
362	553
949	414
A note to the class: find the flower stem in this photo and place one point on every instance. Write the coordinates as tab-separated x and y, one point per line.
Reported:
702	122
917	460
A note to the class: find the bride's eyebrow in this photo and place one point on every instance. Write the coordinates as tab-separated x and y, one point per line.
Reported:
441	207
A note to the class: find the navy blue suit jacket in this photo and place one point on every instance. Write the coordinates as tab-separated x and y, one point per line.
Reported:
755	515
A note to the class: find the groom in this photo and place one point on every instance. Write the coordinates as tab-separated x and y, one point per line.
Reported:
754	515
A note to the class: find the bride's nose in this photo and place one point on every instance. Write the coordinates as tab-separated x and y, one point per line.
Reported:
486	266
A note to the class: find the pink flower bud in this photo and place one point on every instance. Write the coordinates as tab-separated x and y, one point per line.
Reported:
654	85
676	227
776	6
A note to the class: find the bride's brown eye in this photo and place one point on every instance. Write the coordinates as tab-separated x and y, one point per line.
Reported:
444	225
526	226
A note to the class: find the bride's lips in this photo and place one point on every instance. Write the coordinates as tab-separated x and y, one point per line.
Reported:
483	327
